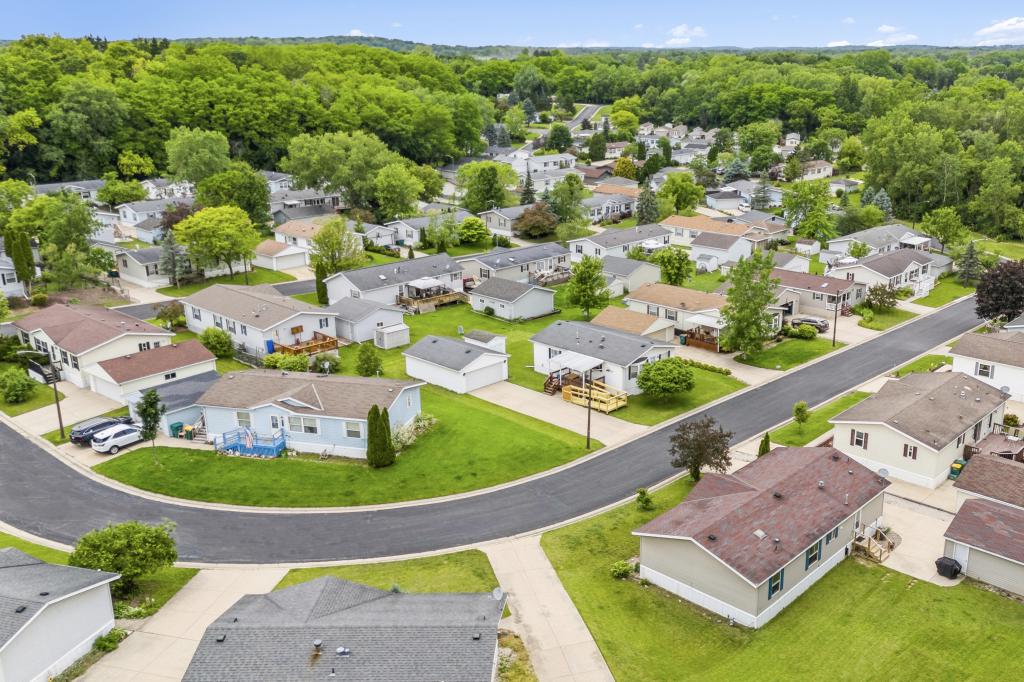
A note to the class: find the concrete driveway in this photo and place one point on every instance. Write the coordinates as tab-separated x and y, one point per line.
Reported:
78	404
746	373
921	529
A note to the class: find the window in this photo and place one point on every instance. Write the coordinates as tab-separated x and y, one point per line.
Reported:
243	419
156	344
296	330
74	361
982	369
144	346
196	313
579	248
634	371
172	375
990	417
670	314
353	430
652	310
832	535
303	425
597	252
812	555
961	439
552	352
355	293
244	329
218	322
323	322
859	438
775	583
817	296
910	451
231	326
64	355
275	421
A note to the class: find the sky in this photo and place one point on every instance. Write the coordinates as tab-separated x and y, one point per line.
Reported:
551	23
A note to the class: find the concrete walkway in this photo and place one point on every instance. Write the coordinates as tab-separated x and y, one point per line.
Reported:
78	404
920	529
163	646
915	307
552	409
560	645
144	294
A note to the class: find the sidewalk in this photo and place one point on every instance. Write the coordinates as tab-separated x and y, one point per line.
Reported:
560	645
163	646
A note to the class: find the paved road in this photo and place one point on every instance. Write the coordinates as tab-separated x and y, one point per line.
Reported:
587	112
41	495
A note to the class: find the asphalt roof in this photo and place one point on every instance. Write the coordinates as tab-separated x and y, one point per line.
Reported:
30	583
617	265
680	298
259	307
993	476
423	221
502	289
1016	322
615	237
156	361
990	526
833	286
447	352
81	327
509	258
1004	347
603	343
389	636
715	240
891	263
355	309
48	187
146	256
150	224
881	236
399	272
910	405
777	494
147	205
182	393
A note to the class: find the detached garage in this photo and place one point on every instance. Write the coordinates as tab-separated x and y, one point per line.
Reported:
987	538
118	378
511	300
458	365
274	255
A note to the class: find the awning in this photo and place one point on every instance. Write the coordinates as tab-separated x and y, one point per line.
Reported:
705	321
426	283
651	244
577	362
916	241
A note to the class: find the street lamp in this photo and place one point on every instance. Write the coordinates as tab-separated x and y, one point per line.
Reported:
57	368
590	399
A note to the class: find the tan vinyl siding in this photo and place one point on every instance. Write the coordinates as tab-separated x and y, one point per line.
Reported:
684	561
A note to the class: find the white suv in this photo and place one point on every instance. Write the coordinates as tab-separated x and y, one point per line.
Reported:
116	437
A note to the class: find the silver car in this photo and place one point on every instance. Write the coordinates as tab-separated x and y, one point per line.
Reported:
116	437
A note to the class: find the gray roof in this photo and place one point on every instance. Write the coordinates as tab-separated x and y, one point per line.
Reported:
616	265
881	236
892	263
399	272
30	583
1005	347
182	393
274	175
603	343
51	187
146	256
391	636
283	215
505	289
715	240
932	408
602	199
421	222
447	352
299	195
613	237
499	259
511	212
355	309
481	335
724	194
782	258
260	306
752	216
1018	322
150	224
147	205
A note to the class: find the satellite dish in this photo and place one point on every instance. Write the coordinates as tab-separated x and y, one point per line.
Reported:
883	472
498	593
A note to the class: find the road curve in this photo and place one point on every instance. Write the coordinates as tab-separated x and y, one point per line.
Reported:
42	495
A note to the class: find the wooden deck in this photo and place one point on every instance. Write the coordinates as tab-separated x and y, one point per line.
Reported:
601	397
429	303
320	343
705	342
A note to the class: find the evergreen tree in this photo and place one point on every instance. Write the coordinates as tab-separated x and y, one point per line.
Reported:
503	139
766	445
605	128
762	197
20	251
375	446
736	170
882	201
528	196
409	254
646	207
867	195
641	151
968	265
321	286
173	261
389	445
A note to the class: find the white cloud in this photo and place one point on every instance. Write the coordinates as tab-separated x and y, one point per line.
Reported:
886	28
894	39
356	32
837	43
648	45
1006	32
396	24
687	31
676	42
586	43
848	20
637	27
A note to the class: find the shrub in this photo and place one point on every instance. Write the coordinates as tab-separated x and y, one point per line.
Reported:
665	377
621	570
1011	419
804	331
272	360
9	347
867	314
132	549
16	386
488	310
332	361
705	366
172	314
643	500
40	300
407	435
17	302
368	362
288	363
218	342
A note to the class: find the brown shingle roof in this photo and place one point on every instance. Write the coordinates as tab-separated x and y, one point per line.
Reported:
79	328
605	188
990	526
270	247
1004	347
679	298
992	476
340	396
302	227
833	286
260	307
705	223
625	320
156	361
732	507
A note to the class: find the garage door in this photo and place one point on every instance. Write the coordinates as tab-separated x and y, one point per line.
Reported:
486	376
106	388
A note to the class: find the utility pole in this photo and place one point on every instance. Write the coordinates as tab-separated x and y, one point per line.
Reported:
835	322
590	399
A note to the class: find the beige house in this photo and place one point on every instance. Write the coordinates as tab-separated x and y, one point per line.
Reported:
632	322
987	538
745	545
117	378
815	294
915	427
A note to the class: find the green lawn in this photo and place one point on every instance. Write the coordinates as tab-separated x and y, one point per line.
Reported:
859	622
41	396
816	266
790	353
925	363
153	591
946	290
475	445
709	386
465	249
375	258
706	281
54	436
132	244
795	434
307	298
224	365
1012	249
883	320
256	276
468	571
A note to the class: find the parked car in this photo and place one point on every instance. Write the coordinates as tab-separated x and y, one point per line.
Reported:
82	432
116	437
818	323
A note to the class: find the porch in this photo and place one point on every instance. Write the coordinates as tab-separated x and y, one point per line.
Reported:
425	294
245	442
701	331
318	343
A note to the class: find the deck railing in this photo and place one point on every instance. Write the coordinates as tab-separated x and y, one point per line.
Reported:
320	343
602	398
243	441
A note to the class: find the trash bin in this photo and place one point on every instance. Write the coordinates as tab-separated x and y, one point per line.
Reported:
956	468
188	432
176	428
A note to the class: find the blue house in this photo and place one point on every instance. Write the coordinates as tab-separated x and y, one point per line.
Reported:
261	412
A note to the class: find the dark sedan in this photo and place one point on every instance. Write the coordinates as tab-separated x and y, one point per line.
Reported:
818	323
82	433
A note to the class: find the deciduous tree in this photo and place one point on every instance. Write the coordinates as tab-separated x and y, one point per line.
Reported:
396	191
586	288
537	222
682	191
336	247
747	321
132	549
665	378
368	362
699	444
239	186
194	154
150	410
221	235
567	198
676	266
1000	294
116	191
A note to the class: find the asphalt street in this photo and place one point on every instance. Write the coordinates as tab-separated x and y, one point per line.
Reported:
42	495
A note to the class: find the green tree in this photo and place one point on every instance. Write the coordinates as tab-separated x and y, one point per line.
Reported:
758	134
173	259
682	191
567	198
62	220
194	154
676	266
171	314
859	250
762	196
624	168
625	123
882	201
396	191
336	247
13	194
801	414
880	297
968	265
597	147
747	321
665	378
368	362
377	455
765	446
944	224
515	123
16	386
736	170
472	230
115	192
70	268
699	444
996	207
806	209
537	222
646	207
19	250
135	166
1000	294
218	342
666	150
793	169
528	195
132	549
218	235
857	218
5	309
321	286
16	132
484	184
239	186
150	411
586	288
559	137
851	155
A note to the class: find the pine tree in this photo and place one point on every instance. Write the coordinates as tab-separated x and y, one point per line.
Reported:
409	254
321	286
503	139
969	266
646	207
605	128
374	438
389	445
173	261
867	195
641	151
766	445
882	201
762	194
528	196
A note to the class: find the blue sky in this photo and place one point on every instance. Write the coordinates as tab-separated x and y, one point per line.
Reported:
657	23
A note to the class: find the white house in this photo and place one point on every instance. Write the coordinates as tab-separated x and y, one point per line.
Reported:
512	300
894	269
409	231
916	426
710	251
86	189
142	267
724	199
996	359
748	190
520	264
390	282
608	206
808	247
985	537
135	212
81	336
9	284
502	221
52	615
536	164
119	378
803	293
180	398
1016	324
882	239
277	181
791	262
260	320
687	228
358	319
546	180
277	255
816	170
631	274
616	242
607	355
459	365
844	185
150	230
303	198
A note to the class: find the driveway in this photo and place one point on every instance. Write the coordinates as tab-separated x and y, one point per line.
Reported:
748	374
921	529
78	404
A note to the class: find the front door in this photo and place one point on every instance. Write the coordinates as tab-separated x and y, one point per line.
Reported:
977	432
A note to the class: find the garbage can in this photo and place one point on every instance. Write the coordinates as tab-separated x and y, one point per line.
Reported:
188	432
176	428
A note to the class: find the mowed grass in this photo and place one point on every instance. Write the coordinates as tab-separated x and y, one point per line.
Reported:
468	571
309	298
40	396
475	444
925	363
1013	250
790	353
54	436
859	622
708	282
817	426
468	249
885	319
946	290
708	386
256	276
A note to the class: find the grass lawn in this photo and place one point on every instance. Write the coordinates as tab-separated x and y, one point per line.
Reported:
790	353
623	224
131	244
706	281
307	298
374	258
709	386
886	625
884	320
468	571
256	276
816	266
465	249
817	426
925	363
54	436
1012	249
946	290
41	396
475	445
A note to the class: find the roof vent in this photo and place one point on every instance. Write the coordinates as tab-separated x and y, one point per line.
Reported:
821	484
835	457
777	495
343	651
19	609
850	471
760	534
44	594
476	636
318	644
712	537
220	639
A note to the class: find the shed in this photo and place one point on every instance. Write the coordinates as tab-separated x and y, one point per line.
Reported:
808	247
358	319
512	300
455	364
393	336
